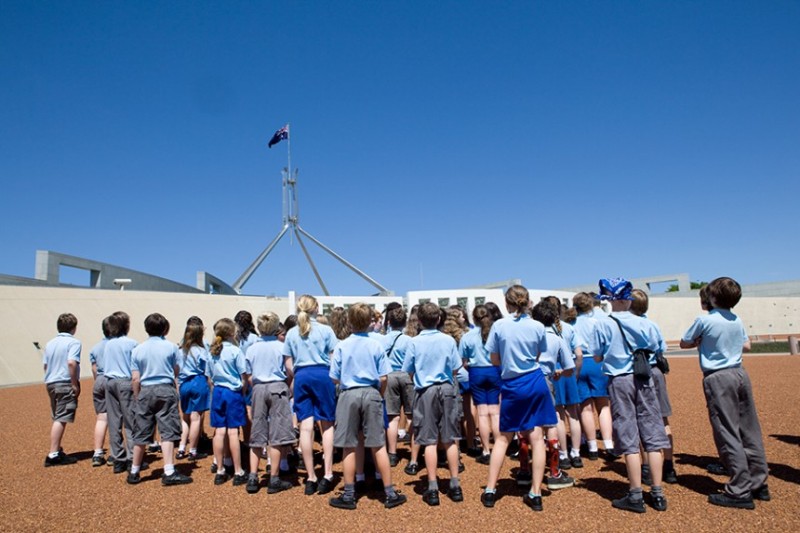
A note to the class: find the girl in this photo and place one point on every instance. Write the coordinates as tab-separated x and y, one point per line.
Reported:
245	337
193	388
515	343
307	351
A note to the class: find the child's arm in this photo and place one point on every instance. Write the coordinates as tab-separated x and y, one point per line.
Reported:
94	370
384	382
685	345
75	380
495	357
746	346
136	384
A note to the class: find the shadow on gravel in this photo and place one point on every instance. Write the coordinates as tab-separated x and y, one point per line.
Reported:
788	439
618	467
787	473
606	488
704	485
700	461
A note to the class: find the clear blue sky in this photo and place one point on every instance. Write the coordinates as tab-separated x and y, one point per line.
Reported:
440	144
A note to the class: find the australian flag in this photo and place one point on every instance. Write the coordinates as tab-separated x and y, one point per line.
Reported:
280	135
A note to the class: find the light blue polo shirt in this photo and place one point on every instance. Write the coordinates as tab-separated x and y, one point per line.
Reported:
96	356
586	330
57	354
264	360
244	344
118	357
192	364
640	333
518	340
473	351
359	361
572	337
315	349
432	357
226	369
398	353
722	339
155	360
660	342
374	335
557	352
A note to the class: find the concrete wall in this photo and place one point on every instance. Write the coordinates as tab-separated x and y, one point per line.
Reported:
28	315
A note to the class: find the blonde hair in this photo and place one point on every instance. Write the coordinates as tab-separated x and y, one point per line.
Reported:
360	316
452	325
640	302
306	307
518	299
224	330
269	324
339	323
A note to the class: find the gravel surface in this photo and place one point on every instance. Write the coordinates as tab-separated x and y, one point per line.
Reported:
81	498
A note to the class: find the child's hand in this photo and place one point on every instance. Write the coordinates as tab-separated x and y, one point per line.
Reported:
76	389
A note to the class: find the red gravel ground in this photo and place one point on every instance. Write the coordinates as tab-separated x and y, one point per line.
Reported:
81	498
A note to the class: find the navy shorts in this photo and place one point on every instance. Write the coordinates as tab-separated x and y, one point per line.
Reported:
195	395
592	383
485	384
314	394
526	403
567	391
227	408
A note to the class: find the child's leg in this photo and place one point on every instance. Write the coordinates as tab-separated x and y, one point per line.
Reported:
235	449
56	433
381	458
452	458
138	457
307	446
484	426
494	417
185	421
604	416
536	440
656	461
359	450
219	447
327	447
195	425
168	452
574	426
391	433
498	457
275	454
431	458
589	427
100	427
633	462
668	451
469	419
562	429
552	450
255	459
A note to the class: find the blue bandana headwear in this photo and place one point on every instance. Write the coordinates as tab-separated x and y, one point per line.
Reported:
615	289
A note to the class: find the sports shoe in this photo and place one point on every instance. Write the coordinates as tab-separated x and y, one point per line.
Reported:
175	478
488	499
340	502
524	479
564	464
394	501
98	460
670	476
629	504
154	448
311	488
240	479
659	502
278	486
60	459
455	494
221	478
393	460
119	466
252	484
576	461
560	481
133	479
431	497
484	459
181	454
325	486
723	500
717	469
534	502
197	456
762	494
412	469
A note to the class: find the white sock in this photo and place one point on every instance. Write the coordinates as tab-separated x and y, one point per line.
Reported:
329	478
193	450
608	444
52	455
563	454
575	452
135	469
99	452
592	445
401	433
182	448
360	477
169	469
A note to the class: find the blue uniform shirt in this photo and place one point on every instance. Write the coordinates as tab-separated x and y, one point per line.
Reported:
244	344
192	364
722	337
572	337
57	354
96	356
586	329
398	351
226	369
432	357
473	350
359	361
557	352
639	332
315	349
155	360
518	340
118	357
264	360
660	342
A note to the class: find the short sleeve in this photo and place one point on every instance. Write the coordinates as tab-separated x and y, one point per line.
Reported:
74	351
492	346
241	367
455	358
695	330
382	363
408	363
336	365
565	356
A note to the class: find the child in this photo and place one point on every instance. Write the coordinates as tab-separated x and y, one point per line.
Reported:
635	411
515	343
226	368
432	360
62	370
359	367
195	394
154	366
721	337
307	351
97	359
399	388
272	412
119	394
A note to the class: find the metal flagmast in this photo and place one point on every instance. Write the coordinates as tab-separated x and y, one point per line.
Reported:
290	217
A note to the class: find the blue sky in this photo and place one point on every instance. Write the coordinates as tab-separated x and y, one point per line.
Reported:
440	144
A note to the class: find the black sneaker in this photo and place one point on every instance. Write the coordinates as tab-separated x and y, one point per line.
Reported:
762	494
455	494
252	484
197	456
412	469
717	469
394	501
340	502
723	500
181	454
560	481
488	499
593	456
534	502
659	502
629	504
175	478
393	460
431	497
670	476
214	468
221	478
154	448
474	451
133	479
484	459
325	486
120	466
278	486
311	488
524	479
60	459
647	476
576	461
564	464
98	460
513	449
240	479
611	456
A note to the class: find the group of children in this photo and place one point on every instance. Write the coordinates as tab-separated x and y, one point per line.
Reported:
536	377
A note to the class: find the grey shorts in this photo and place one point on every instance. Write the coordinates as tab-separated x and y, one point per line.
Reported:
272	415
399	393
661	392
636	415
156	404
436	415
359	410
63	402
99	395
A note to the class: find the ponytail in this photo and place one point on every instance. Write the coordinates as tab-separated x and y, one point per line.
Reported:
306	306
224	330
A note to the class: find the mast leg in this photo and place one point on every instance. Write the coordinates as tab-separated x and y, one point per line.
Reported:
311	262
237	286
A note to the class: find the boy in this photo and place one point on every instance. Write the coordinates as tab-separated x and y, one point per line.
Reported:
399	388
359	367
119	394
635	411
96	357
721	338
154	367
62	370
432	359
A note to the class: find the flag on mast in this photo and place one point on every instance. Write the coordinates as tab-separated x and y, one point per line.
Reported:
280	135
